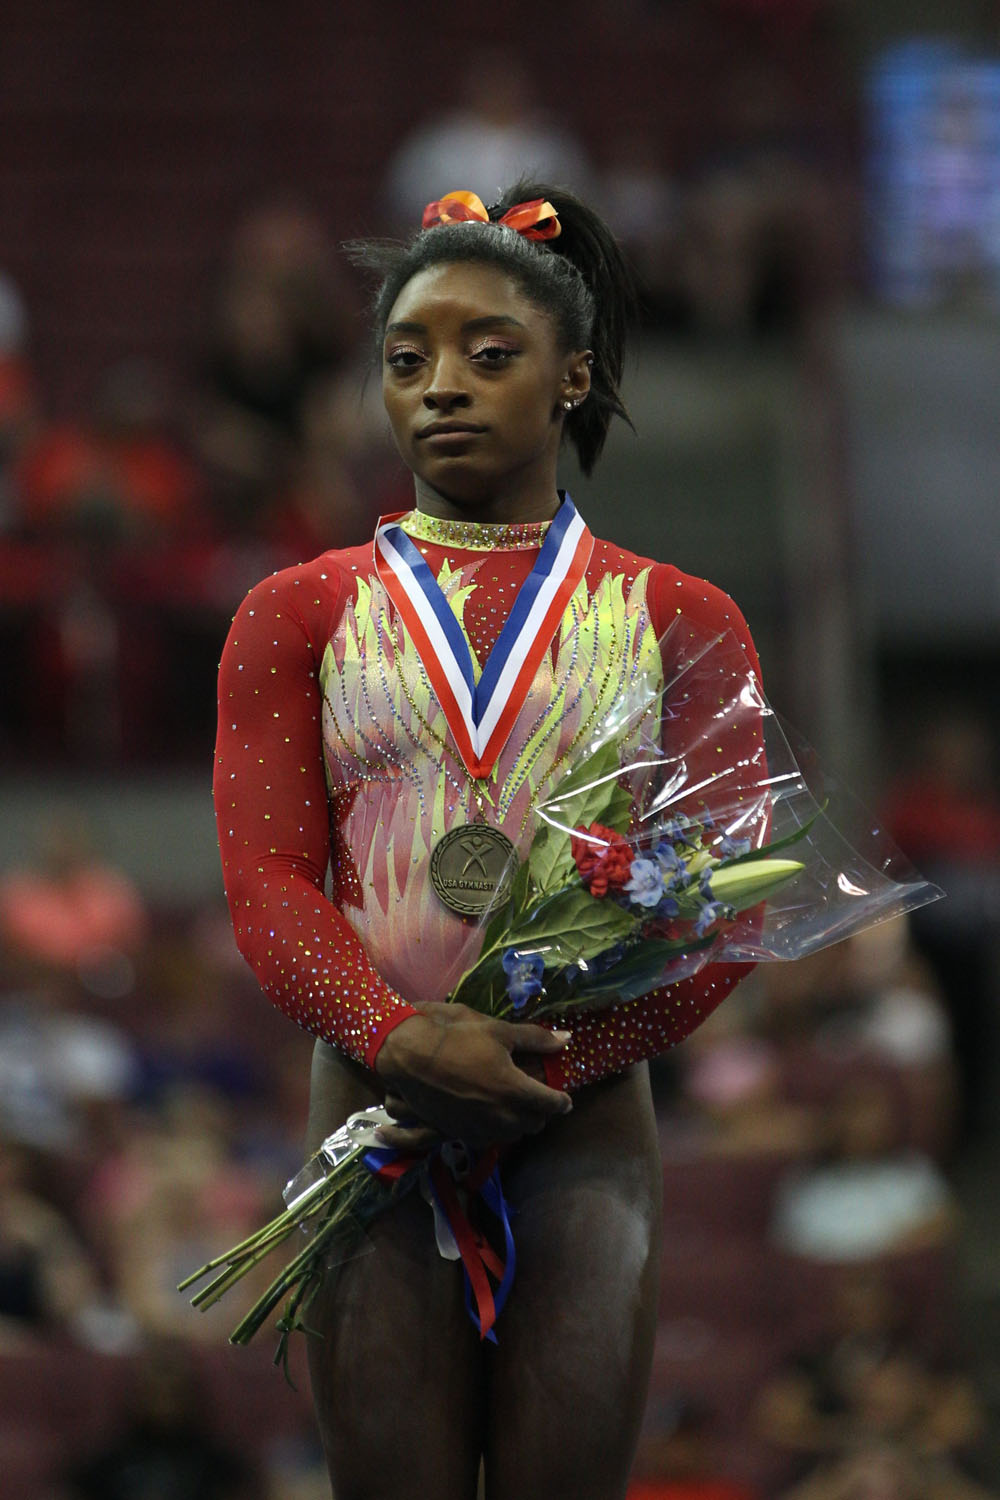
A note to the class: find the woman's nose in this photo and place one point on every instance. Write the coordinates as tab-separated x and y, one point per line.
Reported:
446	386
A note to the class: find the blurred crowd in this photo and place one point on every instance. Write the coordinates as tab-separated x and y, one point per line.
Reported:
152	1105
130	529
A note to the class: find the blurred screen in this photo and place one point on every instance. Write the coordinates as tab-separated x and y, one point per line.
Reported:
934	176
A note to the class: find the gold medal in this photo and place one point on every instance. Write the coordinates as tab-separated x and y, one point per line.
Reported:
472	868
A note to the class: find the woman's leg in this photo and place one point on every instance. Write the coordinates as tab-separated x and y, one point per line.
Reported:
398	1375
571	1369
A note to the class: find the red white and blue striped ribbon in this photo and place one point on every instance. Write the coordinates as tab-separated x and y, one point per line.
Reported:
482	714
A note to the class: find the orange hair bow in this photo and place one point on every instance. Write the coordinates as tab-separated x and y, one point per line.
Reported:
536	220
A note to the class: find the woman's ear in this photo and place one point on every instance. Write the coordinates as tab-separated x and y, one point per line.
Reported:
576	379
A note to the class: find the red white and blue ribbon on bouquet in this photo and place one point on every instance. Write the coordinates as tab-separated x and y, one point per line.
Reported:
482	714
450	1180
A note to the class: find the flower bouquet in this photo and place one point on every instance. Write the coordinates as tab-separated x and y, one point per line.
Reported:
674	839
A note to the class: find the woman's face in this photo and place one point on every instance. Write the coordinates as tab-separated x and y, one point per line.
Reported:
475	383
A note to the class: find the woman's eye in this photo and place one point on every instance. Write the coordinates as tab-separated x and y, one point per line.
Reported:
403	359
493	354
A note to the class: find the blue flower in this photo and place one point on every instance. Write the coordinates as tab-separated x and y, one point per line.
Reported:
710	912
524	976
675	871
645	884
731	848
610	957
667	857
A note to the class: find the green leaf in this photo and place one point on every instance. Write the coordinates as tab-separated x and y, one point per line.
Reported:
550	859
572	925
618	813
517	899
590	793
480	987
520	890
498	925
636	974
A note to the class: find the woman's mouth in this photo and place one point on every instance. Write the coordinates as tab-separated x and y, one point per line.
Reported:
449	434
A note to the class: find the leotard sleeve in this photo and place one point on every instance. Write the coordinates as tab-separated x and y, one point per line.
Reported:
273	815
609	1041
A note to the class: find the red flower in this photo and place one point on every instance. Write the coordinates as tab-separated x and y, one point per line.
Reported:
604	859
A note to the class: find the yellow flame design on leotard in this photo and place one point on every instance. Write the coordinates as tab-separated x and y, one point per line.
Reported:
396	783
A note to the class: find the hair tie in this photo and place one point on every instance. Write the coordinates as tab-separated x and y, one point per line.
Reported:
536	220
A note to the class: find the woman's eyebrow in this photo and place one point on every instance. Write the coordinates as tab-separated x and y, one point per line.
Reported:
491	320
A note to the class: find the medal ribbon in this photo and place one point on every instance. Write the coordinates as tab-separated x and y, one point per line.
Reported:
481	715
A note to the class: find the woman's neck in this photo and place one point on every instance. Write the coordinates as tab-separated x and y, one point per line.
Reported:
504	509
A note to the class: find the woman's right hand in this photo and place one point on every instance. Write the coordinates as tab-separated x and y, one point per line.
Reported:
452	1070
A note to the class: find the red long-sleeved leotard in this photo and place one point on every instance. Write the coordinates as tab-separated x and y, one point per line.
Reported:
332	751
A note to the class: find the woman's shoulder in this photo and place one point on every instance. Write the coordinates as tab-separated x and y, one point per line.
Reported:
323	582
671	592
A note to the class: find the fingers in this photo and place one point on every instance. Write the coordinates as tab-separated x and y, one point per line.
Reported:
526	1036
532	1095
408	1138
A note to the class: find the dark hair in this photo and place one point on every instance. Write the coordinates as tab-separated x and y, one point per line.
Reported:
580	277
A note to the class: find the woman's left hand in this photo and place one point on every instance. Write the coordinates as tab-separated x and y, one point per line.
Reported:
410	1134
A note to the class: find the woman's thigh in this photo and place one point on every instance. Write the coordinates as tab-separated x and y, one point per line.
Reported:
397	1373
571	1369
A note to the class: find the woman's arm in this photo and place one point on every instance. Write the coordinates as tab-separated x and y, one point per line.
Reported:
273	820
456	1075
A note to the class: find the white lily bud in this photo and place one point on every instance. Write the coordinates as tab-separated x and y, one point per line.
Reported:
744	885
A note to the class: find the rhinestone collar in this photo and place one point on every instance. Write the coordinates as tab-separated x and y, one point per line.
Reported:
475	536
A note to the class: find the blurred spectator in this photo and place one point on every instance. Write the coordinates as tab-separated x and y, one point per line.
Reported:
18	424
867	1007
944	811
644	205
871	1197
675	1462
171	1198
734	1080
892	1007
282	321
165	1448
342	475
495	135
18	396
72	910
119	477
760	247
958	199
890	1018
886	1471
48	1283
946	808
867	1378
13	317
59	1067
